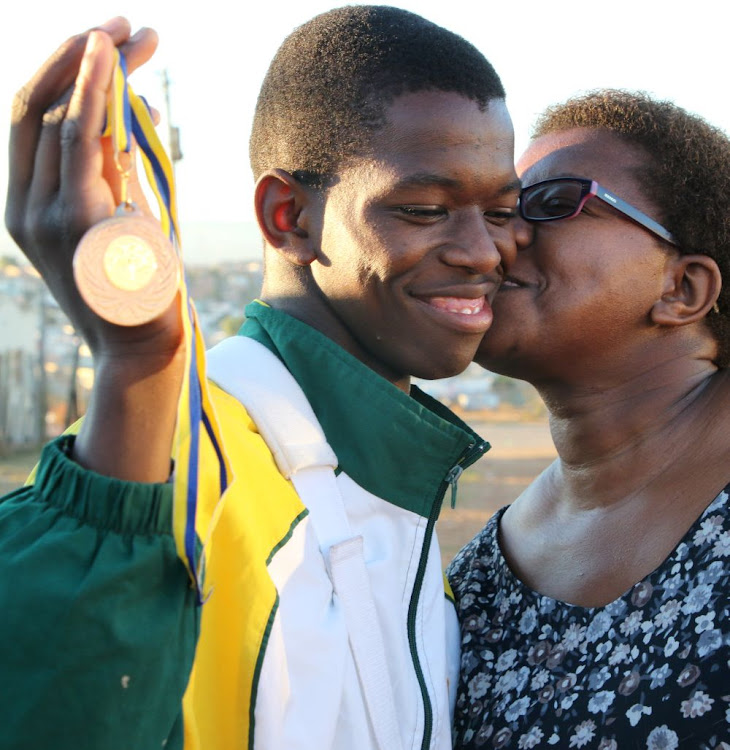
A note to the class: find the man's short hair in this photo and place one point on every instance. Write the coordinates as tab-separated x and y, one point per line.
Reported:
327	88
687	174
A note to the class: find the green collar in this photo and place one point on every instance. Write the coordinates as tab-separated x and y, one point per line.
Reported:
400	448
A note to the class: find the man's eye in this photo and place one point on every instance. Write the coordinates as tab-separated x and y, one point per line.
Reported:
421	212
500	217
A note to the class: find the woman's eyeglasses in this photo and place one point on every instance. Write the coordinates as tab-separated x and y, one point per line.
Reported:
564	198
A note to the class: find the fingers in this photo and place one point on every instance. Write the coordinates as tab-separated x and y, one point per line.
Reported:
139	48
29	105
81	160
41	102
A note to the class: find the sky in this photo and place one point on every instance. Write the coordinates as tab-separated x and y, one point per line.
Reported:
216	54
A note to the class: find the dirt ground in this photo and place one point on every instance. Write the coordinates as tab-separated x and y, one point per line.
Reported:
15	468
520	451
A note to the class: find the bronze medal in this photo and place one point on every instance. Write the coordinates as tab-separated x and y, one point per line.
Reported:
125	269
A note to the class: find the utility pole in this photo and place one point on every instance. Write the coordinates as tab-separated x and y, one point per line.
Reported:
173	132
42	384
72	400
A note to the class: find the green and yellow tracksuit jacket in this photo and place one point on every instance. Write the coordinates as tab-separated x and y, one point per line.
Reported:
102	644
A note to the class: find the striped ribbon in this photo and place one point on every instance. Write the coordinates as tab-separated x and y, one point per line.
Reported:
197	494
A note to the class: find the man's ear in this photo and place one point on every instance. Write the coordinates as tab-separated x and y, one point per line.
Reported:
284	209
691	288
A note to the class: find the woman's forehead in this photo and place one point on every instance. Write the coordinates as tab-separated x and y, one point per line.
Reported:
580	152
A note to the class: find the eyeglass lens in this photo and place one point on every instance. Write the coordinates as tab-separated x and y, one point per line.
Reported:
551	200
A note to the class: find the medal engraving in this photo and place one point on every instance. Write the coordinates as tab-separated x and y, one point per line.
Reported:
126	270
129	263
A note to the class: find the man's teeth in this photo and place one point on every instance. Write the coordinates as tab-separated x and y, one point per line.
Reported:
458	304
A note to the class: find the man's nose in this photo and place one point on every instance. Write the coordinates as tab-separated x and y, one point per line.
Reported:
474	243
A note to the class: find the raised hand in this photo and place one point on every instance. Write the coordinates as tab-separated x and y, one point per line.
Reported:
61	182
62	177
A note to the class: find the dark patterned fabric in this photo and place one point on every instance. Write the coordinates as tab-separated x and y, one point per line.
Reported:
649	670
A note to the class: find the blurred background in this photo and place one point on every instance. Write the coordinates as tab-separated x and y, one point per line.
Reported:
204	81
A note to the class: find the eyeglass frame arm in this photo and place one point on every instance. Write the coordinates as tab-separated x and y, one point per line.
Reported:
633	213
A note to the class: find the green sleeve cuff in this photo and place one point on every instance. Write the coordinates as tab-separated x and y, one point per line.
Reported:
103	502
99	622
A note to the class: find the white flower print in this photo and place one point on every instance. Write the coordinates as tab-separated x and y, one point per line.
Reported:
705	621
597	679
528	621
546	631
487	656
635	713
659	676
673	585
708	530
507	682
540	680
601	701
573	636
467	600
709	641
715	571
616	608
517	709
620	654
700	703
523	676
530	739
641	672
506	660
662	738
722	545
478	686
567	702
584	733
599	627
697	599
632	623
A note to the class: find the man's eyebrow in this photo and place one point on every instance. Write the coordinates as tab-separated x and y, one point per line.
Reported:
511	187
428	179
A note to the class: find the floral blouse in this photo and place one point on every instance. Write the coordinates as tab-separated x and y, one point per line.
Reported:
649	670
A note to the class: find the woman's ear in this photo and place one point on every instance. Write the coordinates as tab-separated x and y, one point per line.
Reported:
284	210
692	286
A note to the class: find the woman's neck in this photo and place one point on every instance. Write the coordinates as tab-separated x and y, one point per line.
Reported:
617	439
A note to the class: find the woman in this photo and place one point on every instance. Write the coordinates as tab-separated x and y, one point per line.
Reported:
594	609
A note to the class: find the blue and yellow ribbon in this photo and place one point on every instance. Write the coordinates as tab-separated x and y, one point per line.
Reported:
197	494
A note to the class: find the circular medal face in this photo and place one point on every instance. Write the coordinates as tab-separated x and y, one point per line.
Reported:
129	263
126	270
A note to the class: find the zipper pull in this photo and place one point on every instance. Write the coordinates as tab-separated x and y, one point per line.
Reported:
452	478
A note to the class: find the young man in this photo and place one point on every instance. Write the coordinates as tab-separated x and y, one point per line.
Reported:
383	155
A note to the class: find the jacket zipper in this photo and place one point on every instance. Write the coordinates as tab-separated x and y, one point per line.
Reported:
472	452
